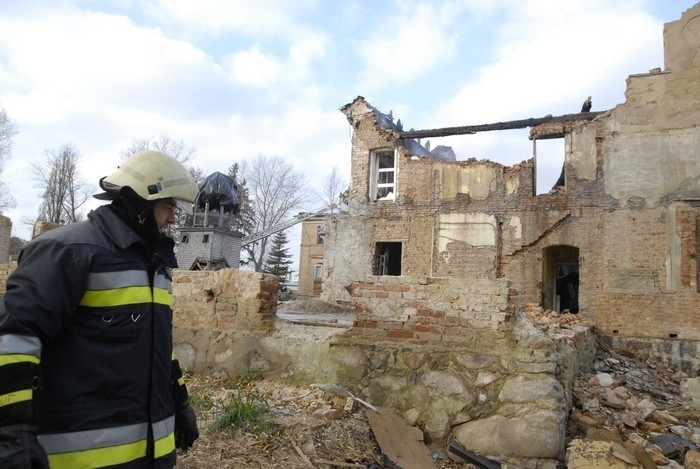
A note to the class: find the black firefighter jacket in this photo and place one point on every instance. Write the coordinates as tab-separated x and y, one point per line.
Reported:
86	347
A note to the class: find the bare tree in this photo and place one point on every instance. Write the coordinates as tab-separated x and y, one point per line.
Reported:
333	187
63	190
165	144
8	130
276	190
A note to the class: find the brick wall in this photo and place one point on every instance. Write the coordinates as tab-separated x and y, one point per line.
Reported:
5	233
433	310
224	299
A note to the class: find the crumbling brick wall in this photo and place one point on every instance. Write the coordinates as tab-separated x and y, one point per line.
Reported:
432	310
222	299
5	234
628	208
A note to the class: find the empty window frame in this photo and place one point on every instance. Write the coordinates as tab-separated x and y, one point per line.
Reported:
387	258
318	271
383	175
320	234
549	170
185	239
205	238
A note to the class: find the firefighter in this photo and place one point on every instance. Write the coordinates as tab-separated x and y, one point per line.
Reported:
87	372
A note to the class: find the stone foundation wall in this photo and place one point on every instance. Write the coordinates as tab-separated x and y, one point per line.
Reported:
521	392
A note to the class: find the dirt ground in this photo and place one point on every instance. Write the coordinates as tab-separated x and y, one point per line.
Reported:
310	428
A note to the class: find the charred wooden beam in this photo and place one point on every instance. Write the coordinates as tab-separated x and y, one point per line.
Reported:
509	125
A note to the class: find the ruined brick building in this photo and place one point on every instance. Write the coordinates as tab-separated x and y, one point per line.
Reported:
616	242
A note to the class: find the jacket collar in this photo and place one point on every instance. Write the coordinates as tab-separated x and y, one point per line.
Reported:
115	229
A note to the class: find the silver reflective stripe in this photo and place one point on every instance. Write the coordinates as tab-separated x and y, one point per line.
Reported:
163	428
92	439
161	281
20	344
111	280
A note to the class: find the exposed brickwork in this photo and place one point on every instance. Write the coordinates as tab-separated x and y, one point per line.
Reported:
5	270
650	315
687	222
227	299
626	218
429	310
5	234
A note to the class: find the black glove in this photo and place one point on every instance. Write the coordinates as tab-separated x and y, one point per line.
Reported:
19	448
185	427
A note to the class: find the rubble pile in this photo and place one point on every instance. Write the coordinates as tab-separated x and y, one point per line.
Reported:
633	414
548	319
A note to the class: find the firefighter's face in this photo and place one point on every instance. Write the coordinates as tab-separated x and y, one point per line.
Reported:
164	212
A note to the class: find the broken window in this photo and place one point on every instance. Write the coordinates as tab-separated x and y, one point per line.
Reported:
318	271
320	234
383	175
387	258
548	155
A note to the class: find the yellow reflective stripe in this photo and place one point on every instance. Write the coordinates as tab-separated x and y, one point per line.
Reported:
99	457
126	296
15	397
18	358
116	297
165	445
163	297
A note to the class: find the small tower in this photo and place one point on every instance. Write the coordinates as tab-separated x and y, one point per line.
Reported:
207	237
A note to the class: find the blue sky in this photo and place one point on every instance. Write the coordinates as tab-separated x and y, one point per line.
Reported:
240	78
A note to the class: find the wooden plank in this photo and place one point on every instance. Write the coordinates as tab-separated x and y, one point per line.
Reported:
400	442
509	125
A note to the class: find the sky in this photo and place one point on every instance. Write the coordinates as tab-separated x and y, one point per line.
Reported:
235	79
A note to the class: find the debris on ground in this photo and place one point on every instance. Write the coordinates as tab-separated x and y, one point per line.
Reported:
626	412
310	427
639	409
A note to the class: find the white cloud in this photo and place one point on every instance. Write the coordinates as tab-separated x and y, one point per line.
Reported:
251	67
408	44
237	78
254	68
261	18
550	57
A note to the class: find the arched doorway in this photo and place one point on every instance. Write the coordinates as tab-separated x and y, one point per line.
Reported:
560	283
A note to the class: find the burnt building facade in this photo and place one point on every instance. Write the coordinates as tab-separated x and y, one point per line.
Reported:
616	241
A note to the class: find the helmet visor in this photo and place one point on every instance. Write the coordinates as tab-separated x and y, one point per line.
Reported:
183	207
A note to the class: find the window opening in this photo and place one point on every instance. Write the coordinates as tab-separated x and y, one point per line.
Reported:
186	239
320	234
383	182
548	157
388	258
205	238
318	271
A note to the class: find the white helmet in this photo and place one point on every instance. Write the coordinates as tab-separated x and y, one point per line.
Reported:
152	175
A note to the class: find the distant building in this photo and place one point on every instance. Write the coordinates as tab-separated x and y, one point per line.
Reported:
208	247
311	256
208	239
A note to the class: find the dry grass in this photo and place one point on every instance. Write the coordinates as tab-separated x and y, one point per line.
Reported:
295	438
